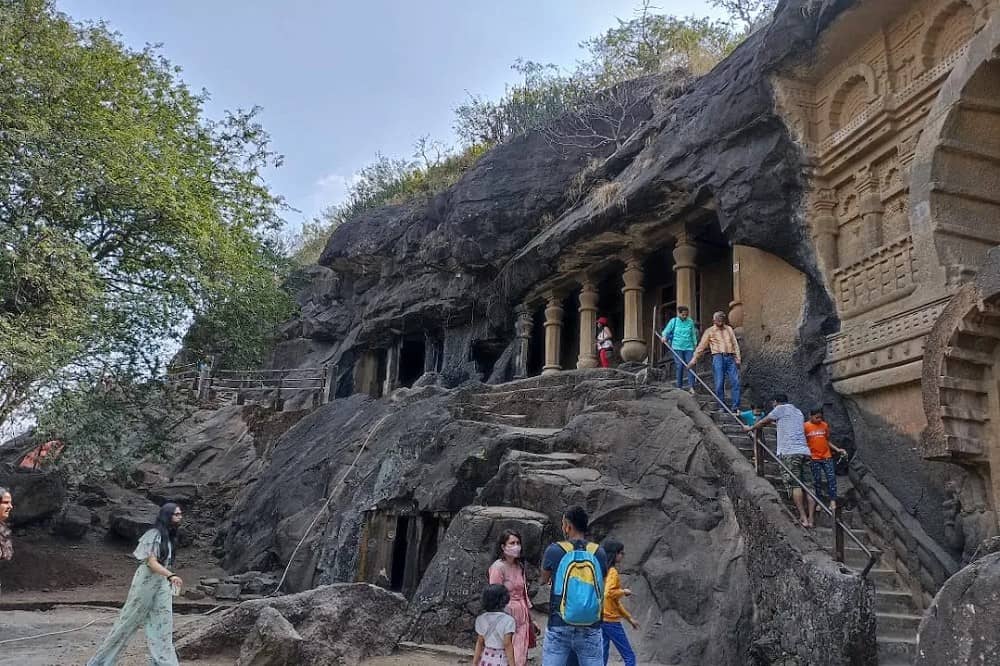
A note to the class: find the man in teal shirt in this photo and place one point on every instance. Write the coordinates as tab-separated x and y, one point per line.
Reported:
682	335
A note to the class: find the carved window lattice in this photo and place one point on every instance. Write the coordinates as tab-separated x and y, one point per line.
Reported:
882	276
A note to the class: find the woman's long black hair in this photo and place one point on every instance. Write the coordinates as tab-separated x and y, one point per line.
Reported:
168	533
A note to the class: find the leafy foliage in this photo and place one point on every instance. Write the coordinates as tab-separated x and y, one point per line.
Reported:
110	424
591	98
124	211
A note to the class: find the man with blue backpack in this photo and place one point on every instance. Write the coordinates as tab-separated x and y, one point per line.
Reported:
577	569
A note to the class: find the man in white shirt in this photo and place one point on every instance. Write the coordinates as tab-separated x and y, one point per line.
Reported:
792	450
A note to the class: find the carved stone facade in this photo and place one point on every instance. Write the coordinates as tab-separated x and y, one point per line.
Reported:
899	114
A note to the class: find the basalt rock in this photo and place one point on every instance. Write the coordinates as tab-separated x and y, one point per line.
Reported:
37	495
960	627
332	624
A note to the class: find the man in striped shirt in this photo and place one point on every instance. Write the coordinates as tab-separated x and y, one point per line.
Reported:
720	339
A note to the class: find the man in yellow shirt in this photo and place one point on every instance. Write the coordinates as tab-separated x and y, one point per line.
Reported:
720	339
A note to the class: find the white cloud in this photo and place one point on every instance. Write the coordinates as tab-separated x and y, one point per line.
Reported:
330	190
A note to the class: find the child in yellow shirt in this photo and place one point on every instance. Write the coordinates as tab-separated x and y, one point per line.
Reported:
614	611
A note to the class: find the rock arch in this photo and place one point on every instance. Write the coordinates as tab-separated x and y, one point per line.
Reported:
954	200
856	88
948	31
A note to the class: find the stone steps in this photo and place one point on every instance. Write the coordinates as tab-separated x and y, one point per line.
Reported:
895	611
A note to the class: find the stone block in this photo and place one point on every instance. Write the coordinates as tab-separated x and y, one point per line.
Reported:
194	594
227	591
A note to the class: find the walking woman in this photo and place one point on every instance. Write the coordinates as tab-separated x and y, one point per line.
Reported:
508	570
149	602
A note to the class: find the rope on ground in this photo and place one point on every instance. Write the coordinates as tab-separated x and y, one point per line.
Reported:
326	505
51	633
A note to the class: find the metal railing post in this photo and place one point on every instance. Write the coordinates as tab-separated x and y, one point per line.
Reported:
838	535
758	455
839	527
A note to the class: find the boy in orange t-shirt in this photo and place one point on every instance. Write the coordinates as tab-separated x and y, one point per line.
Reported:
818	438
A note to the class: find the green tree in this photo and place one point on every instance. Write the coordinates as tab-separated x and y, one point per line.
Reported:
125	211
746	15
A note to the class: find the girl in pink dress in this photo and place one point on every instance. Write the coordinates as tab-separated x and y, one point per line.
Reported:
508	570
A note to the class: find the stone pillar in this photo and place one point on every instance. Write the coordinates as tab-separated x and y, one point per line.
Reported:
588	323
523	326
392	367
825	233
871	209
736	305
685	253
432	353
633	344
553	334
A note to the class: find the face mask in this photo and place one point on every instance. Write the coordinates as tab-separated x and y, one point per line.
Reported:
512	551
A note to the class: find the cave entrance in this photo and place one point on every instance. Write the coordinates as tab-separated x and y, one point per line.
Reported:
412	352
714	279
485	354
659	301
536	344
397	548
400	546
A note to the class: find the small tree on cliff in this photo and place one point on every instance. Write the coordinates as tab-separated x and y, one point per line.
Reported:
124	211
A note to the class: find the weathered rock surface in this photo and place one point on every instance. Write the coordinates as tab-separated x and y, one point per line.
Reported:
73	521
131	519
628	454
961	626
37	494
273	642
332	624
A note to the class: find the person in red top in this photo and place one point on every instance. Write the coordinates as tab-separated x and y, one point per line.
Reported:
820	448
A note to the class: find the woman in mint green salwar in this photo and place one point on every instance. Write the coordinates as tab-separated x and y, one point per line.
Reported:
149	602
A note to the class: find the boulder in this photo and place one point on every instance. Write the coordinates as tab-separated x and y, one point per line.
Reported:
336	624
273	642
184	494
37	495
960	627
73	521
130	520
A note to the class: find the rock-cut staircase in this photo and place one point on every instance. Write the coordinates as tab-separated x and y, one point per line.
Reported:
897	614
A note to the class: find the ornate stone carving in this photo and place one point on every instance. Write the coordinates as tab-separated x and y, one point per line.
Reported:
877	335
879	278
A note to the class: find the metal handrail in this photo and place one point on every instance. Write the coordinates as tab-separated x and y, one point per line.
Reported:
872	558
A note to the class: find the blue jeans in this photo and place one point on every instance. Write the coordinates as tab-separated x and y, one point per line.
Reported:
826	468
586	643
681	358
615	633
724	367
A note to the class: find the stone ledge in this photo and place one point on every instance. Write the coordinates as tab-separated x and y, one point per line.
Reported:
927	565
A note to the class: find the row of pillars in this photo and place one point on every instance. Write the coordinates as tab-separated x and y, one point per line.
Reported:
633	347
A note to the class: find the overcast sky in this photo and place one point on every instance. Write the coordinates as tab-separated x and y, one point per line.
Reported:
339	81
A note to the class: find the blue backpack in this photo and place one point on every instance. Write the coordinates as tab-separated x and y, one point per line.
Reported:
579	581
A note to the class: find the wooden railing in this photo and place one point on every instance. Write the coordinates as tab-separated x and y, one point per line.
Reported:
275	383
